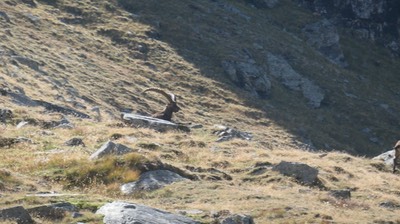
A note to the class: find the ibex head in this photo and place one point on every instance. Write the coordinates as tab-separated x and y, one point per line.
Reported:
170	108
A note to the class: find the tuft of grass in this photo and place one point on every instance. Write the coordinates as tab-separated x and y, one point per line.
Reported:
106	171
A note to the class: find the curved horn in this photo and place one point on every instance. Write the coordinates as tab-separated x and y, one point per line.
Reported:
171	97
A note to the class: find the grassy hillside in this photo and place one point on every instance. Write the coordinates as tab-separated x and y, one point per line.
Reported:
82	54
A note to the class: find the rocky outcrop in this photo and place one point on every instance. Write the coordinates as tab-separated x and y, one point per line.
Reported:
129	213
152	180
376	20
323	36
283	71
247	74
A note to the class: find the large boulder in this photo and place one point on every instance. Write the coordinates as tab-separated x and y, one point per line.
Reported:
303	173
160	125
110	148
284	72
152	180
129	213
16	214
386	157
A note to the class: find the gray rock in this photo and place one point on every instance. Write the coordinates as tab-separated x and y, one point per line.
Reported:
5	16
390	205
22	124
323	36
282	70
152	180
28	62
53	212
340	194
136	120
248	75
129	213
75	142
109	148
226	134
386	157
16	214
302	172
237	219
5	115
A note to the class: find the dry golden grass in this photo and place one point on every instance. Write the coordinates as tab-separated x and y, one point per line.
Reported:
77	58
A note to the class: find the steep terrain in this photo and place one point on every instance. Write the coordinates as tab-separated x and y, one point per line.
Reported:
305	89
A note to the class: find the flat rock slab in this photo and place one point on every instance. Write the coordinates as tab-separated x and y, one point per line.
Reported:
129	213
152	180
160	125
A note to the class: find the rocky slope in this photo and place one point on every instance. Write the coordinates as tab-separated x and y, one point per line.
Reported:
272	109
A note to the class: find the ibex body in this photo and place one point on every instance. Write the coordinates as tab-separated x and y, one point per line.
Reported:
396	160
170	108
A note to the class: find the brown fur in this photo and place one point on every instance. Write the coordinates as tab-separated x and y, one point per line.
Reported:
169	109
396	160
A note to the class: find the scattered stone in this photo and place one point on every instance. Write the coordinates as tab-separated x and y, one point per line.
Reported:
226	217
390	205
196	126
158	165
210	173
32	3
5	16
22	124
282	70
5	114
302	172
122	212
340	194
32	18
75	142
109	148
76	215
238	219
116	136
226	134
136	120
152	180
16	214
34	65
7	142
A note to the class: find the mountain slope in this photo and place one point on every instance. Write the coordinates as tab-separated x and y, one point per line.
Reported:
86	54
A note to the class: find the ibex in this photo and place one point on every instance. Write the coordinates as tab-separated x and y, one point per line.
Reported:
170	108
396	160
